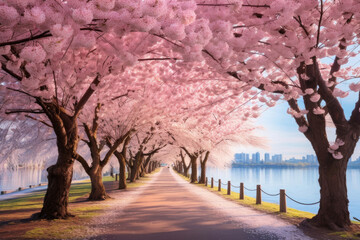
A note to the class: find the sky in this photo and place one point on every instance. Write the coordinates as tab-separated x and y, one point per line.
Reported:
281	131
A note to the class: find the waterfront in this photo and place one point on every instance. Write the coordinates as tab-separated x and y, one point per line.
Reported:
12	179
299	183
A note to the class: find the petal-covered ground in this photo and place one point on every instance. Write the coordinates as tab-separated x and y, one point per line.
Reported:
171	208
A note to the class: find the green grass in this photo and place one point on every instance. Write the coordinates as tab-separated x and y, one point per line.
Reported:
34	200
59	231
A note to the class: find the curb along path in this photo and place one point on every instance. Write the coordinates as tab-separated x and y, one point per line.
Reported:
171	208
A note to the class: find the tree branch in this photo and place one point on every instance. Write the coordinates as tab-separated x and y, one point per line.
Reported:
33	37
39	120
35	111
86	95
83	162
11	73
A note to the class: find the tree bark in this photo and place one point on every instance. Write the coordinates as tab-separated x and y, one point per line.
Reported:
203	167
193	178
122	173
57	194
333	212
98	191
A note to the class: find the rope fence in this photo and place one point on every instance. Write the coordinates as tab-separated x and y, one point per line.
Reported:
249	189
269	194
282	195
301	202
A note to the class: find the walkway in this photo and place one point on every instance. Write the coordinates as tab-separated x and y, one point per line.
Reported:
169	208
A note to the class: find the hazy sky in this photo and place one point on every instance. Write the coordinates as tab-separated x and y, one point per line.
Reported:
283	135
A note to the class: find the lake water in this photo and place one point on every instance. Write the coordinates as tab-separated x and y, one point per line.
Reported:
12	179
299	183
22	177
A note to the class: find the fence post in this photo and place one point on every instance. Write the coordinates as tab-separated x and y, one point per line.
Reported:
282	200
212	182
229	188
206	181
242	191
116	176
219	188
258	194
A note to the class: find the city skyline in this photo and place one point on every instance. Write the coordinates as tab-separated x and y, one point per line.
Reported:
256	158
280	132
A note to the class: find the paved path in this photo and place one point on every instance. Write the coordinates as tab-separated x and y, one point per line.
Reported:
169	208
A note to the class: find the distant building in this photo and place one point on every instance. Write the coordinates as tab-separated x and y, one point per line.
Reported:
267	157
277	158
240	157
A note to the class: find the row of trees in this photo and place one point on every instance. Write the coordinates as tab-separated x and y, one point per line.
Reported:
180	67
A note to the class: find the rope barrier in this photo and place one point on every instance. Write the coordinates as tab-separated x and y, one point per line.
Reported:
301	202
249	189
273	195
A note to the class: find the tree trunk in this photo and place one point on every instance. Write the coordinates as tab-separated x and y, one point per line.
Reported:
186	171
98	191
142	173
133	175
150	167
129	172
203	172
333	211
122	174
57	194
193	170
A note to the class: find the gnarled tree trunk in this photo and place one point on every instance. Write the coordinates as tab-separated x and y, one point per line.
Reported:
57	194
98	191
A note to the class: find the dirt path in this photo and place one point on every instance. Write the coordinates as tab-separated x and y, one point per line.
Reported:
171	208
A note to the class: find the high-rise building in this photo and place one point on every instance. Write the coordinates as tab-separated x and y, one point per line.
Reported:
257	157
267	157
247	158
277	158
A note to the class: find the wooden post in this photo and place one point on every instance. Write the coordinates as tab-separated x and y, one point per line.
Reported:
229	188
258	194
212	182
206	181
116	176
242	191
219	187
282	200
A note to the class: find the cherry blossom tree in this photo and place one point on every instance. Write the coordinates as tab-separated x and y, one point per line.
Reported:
283	49
97	164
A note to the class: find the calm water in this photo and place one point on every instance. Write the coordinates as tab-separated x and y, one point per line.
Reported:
23	177
299	183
